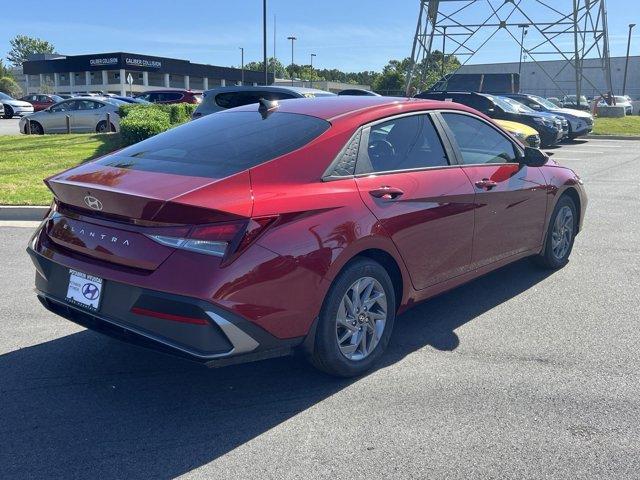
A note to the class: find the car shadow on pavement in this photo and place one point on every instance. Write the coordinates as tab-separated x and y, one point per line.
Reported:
84	405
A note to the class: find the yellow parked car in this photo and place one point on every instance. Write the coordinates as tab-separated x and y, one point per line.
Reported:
524	133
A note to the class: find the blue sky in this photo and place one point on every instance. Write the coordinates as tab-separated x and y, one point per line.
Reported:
352	35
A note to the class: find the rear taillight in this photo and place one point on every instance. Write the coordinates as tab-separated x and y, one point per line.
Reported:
218	239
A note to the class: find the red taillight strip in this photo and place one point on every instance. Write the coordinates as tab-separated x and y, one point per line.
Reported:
169	316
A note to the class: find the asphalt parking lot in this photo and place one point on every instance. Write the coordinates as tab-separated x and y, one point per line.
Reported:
9	126
521	374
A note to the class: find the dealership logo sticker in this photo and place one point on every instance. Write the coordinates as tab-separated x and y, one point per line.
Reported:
92	202
90	291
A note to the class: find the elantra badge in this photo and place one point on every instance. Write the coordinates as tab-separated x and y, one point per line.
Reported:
92	202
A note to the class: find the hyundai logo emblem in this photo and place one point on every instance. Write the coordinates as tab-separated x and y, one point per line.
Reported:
92	202
90	291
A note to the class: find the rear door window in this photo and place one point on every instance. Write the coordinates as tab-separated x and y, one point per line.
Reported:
220	145
169	96
403	143
478	142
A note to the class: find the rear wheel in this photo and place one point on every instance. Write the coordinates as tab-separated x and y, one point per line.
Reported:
8	112
561	233
356	320
102	127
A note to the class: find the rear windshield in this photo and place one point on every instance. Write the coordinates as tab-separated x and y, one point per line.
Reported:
220	144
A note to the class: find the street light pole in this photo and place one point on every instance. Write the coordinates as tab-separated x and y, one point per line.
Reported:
311	79
264	43
524	27
293	39
626	62
242	64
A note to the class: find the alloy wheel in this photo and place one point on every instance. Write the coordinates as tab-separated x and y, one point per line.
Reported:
562	232
361	318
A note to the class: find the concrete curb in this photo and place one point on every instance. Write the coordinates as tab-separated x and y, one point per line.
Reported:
22	213
612	137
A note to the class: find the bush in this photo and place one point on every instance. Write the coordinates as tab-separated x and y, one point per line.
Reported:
142	123
139	122
180	112
9	86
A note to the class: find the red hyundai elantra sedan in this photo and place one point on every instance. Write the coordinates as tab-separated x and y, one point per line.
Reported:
308	224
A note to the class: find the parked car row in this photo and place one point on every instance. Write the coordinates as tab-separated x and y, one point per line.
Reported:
553	124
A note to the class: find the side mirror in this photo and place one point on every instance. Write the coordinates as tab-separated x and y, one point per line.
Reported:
491	110
534	157
535	106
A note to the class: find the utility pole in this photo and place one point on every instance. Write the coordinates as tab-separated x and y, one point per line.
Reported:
242	65
264	42
626	62
311	79
444	40
524	27
293	39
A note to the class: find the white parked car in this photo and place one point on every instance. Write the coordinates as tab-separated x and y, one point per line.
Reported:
620	102
14	107
86	114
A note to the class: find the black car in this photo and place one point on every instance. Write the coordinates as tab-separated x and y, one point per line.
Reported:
549	128
358	92
580	122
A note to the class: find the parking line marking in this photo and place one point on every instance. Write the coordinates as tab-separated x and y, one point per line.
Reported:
19	223
576	151
597	145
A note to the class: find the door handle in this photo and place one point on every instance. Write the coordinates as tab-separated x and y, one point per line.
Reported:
486	184
386	192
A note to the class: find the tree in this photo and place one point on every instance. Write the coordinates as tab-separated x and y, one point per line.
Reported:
9	86
4	70
272	63
393	79
22	46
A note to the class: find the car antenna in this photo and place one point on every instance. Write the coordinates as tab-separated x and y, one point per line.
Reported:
267	107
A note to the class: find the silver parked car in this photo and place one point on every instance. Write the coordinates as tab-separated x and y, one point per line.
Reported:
222	98
14	107
86	114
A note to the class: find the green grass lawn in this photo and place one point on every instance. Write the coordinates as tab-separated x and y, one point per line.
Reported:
617	126
27	159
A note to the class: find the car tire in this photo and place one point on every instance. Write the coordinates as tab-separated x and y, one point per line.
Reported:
561	234
102	127
36	128
8	112
339	347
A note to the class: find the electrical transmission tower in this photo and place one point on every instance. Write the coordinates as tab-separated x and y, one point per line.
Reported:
567	30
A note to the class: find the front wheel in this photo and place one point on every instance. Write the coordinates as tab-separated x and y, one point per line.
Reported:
36	128
561	233
356	320
8	112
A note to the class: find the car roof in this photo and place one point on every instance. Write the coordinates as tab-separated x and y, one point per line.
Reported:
266	88
164	90
346	106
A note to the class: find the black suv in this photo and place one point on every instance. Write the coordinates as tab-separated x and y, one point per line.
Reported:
548	126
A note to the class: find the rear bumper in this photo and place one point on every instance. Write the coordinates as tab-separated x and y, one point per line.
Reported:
216	337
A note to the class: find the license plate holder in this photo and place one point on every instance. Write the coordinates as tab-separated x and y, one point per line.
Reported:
84	290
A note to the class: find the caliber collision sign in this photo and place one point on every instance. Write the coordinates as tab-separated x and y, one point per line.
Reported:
142	62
